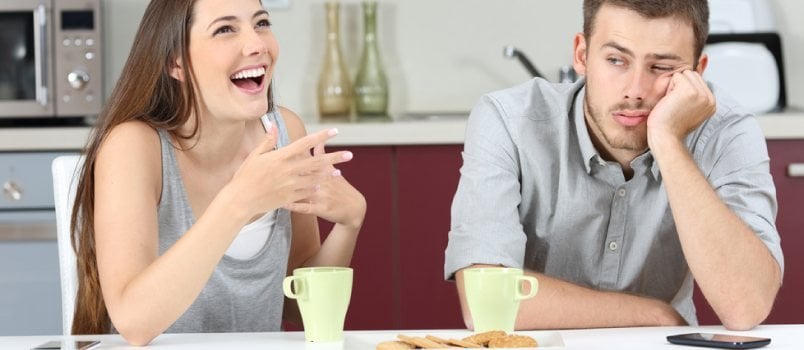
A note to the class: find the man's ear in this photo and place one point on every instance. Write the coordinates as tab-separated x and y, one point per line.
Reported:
176	69
579	54
702	62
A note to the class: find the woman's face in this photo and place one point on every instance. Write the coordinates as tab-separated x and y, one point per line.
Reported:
233	53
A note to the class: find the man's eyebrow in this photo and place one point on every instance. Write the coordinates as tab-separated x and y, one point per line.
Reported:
232	18
618	47
655	56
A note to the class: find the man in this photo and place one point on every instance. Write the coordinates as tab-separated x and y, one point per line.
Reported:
618	190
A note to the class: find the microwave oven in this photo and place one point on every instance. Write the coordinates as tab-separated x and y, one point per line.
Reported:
50	59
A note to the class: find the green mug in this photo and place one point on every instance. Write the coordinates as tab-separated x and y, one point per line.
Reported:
493	295
323	295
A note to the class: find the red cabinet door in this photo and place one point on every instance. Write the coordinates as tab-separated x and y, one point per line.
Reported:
789	306
371	306
427	177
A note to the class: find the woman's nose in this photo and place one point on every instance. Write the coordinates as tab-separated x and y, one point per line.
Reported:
254	44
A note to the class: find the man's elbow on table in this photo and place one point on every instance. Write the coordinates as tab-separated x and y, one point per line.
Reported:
746	315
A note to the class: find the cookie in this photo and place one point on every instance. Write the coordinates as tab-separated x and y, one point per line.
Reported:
513	341
463	344
484	338
394	345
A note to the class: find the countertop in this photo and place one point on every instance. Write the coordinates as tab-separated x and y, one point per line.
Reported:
408	131
782	337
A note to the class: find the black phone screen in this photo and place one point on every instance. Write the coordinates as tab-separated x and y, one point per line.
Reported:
68	345
719	340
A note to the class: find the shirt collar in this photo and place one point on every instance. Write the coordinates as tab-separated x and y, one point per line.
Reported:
588	151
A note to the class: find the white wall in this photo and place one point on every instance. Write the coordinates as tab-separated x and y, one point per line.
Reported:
440	55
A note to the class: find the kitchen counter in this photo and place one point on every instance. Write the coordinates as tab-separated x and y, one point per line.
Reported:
407	131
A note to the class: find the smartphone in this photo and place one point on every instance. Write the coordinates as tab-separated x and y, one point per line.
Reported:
68	345
723	341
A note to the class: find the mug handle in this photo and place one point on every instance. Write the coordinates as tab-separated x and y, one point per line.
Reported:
534	287
286	287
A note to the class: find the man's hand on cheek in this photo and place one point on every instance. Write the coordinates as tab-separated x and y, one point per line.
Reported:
686	104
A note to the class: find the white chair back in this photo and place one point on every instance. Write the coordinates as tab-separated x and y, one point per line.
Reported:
65	181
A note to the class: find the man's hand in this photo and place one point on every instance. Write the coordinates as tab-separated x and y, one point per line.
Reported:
687	103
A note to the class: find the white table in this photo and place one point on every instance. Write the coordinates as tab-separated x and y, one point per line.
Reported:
783	337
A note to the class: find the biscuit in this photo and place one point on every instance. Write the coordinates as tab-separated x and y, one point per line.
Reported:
484	338
394	345
420	342
513	341
463	344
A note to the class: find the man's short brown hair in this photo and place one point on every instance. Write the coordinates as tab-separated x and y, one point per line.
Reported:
695	12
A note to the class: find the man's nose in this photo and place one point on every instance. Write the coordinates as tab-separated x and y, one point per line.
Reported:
638	85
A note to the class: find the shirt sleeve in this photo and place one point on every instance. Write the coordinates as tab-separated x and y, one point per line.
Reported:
485	226
740	174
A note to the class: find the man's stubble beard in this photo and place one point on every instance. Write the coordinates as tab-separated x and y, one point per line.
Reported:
598	120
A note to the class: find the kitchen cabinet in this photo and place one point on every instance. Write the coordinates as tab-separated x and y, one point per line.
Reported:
427	177
399	258
789	306
373	295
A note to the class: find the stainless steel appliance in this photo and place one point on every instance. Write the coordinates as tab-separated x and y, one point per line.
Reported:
30	294
50	59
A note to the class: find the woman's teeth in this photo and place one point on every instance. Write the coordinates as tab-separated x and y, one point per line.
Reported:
249	73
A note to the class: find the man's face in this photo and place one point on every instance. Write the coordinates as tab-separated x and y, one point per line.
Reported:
628	62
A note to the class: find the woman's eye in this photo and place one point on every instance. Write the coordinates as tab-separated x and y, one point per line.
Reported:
224	29
264	23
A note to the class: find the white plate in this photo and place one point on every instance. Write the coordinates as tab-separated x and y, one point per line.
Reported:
369	340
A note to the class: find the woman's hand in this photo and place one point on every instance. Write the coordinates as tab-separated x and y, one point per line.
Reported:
271	178
336	200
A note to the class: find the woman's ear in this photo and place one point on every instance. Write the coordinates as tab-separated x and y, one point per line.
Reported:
176	69
579	54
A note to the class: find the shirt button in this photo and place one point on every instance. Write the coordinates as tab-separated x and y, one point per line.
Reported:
621	192
613	245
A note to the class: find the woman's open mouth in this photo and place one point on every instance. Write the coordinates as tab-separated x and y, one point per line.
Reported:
249	80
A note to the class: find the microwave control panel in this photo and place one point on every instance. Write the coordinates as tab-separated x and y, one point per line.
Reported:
77	53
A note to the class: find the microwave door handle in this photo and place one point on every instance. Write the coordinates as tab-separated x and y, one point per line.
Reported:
40	54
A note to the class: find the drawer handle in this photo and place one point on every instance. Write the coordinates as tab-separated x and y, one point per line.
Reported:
795	170
12	190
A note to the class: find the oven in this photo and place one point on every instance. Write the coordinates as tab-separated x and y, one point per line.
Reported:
50	59
30	294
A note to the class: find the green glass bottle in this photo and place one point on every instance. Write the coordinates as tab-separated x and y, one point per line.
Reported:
371	85
334	89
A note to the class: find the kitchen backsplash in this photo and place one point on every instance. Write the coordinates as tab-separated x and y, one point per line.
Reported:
439	55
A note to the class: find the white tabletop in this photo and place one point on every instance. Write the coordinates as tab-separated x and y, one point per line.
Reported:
782	337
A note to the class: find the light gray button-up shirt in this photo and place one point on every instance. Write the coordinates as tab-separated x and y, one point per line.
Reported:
534	193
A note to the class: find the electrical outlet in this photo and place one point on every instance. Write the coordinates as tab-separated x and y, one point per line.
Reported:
276	4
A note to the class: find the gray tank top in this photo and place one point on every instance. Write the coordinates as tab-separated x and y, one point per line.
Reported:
241	295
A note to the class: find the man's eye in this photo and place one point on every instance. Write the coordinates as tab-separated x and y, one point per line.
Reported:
224	29
615	61
663	68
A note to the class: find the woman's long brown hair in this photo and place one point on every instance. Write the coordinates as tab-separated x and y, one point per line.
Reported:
145	91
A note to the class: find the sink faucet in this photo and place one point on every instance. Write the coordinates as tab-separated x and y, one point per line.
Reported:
566	74
512	52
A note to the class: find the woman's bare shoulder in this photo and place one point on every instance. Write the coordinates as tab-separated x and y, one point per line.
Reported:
294	124
131	149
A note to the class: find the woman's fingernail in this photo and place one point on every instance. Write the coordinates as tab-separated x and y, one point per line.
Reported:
332	132
317	187
347	155
336	173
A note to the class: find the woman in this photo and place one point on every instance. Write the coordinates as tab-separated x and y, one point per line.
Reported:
195	186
